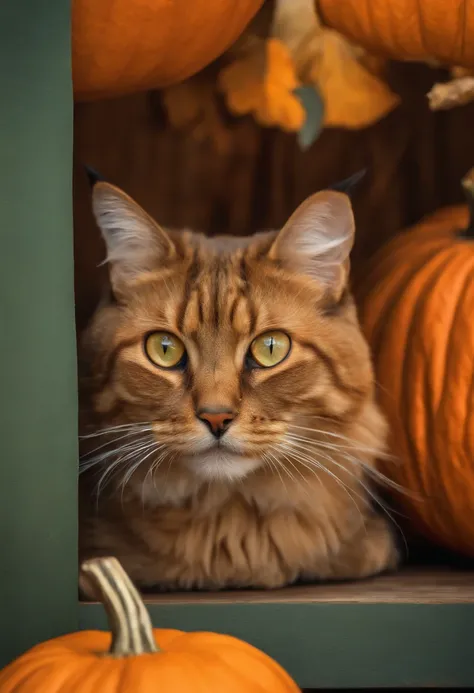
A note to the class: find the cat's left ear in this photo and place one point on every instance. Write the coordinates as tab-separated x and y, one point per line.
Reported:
317	240
135	243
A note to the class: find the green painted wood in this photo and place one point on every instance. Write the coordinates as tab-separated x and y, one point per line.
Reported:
339	645
38	437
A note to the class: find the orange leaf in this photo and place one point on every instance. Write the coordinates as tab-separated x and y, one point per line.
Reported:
261	82
347	78
353	96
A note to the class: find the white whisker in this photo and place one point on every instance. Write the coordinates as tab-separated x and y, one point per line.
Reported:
275	467
125	454
120	427
343	451
300	482
378	452
123	436
135	447
301	452
279	465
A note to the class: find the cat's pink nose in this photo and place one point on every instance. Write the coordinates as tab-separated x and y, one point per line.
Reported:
217	420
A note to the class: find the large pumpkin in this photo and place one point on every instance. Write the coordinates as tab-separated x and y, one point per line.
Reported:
407	29
417	311
125	46
138	659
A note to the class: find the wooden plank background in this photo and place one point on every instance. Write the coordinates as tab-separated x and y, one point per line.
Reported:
415	160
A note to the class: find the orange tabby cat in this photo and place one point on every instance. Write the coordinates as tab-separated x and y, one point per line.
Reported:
228	405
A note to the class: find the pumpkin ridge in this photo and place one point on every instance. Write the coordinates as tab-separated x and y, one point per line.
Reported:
429	417
369	14
470	409
395	292
421	28
448	353
393	26
427	277
406	29
458	492
405	396
434	396
440	528
379	269
455	263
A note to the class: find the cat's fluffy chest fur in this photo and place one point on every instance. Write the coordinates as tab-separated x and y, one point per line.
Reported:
234	392
179	534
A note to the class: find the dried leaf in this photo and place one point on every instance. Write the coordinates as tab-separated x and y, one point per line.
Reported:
192	107
347	77
353	97
262	82
456	92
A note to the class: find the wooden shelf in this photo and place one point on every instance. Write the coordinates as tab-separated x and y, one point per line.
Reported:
415	586
413	629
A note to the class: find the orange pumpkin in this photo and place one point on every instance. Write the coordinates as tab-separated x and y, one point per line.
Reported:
417	311
125	46
406	29
138	659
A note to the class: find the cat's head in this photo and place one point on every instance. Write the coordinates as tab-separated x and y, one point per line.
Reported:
223	350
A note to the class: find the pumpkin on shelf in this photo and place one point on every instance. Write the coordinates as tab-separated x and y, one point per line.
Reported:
124	46
417	311
424	30
136	658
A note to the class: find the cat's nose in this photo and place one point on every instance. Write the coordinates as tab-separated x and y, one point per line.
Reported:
217	420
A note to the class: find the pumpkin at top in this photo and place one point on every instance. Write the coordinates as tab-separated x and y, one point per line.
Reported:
125	46
417	311
406	29
135	658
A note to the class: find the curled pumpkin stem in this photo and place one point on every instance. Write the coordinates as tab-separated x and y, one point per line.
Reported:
129	620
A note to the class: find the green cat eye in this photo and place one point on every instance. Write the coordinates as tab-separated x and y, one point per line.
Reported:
270	348
164	349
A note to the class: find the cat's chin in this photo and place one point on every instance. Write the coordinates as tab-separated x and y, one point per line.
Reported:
221	465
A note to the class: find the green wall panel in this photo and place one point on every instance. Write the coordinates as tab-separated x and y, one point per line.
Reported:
340	645
38	437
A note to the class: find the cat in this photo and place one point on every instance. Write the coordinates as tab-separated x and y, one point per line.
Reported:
228	420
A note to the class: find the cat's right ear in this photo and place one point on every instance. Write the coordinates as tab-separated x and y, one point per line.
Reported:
134	241
317	239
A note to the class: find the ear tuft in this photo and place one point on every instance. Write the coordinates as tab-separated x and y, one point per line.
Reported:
317	239
348	185
93	176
